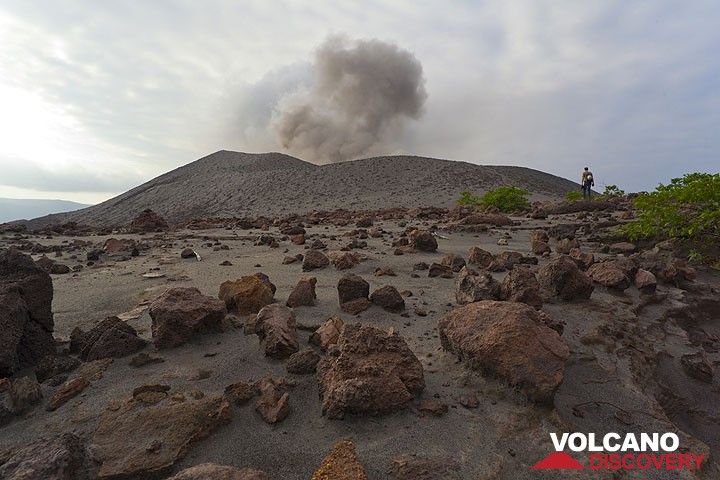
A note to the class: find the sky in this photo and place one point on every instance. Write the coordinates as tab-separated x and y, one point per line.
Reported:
98	97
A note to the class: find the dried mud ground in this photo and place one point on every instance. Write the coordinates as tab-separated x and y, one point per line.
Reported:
624	373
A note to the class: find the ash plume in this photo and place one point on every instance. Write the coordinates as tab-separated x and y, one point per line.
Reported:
362	94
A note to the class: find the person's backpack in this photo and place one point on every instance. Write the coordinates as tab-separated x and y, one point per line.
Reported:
589	178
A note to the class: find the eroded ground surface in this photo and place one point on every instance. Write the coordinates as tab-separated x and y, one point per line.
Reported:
630	368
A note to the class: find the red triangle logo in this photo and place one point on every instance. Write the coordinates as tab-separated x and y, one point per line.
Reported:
558	461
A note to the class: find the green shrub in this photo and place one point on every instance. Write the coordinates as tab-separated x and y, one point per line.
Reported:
573	196
467	199
613	191
506	199
688	207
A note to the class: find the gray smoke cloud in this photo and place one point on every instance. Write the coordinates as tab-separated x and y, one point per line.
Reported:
363	93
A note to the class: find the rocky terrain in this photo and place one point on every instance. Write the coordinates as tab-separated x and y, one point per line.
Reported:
233	184
422	343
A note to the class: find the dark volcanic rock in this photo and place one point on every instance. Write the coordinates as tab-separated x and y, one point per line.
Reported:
424	241
472	286
303	294
148	221
509	339
303	362
521	285
314	259
182	313
352	287
479	257
388	298
374	372
111	338
58	458
26	318
276	326
439	270
563	279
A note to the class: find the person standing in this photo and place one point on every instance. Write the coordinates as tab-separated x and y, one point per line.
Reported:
586	183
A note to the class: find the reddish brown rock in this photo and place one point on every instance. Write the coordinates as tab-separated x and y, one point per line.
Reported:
388	298
645	281
455	262
302	362
213	471
328	333
479	257
274	403
148	221
521	285
26	318
623	247
424	241
352	287
354	307
114	245
563	279
433	407
439	270
539	236
111	338
246	295
181	313
609	274
57	458
342	463
564	245
374	372
138	440
510	340
496	219
345	260
540	248
582	259
314	259
472	286
277	329
303	295
66	392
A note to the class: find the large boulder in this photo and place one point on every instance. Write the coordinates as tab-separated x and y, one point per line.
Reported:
353	293
521	285
424	241
182	313
276	326
314	259
388	298
26	318
303	295
472	286
510	340
246	295
136	439
56	458
374	372
111	338
148	221
563	279
213	471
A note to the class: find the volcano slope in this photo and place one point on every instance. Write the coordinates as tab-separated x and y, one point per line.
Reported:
233	184
626	339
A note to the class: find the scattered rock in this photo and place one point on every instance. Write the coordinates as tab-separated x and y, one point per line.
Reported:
277	329
563	279
142	359
26	318
181	313
240	393
374	372
303	362
433	407
148	221
246	295
472	286
54	365
24	393
609	274
385	272
424	241
388	298
521	285
342	463
67	391
314	259
479	257
345	260
438	270
510	340
455	262
273	404
213	471
328	333
111	338
57	458
582	259
623	247
352	287
645	281
303	294
137	440
564	245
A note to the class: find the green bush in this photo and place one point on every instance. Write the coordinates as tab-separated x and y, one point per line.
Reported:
573	195
506	199
613	191
688	207
467	199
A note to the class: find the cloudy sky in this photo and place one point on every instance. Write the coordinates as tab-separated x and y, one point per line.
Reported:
97	97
